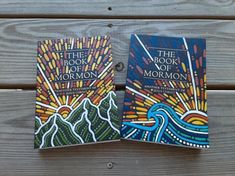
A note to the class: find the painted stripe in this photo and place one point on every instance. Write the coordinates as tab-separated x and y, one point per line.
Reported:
193	111
89	123
130	133
143	122
53	135
146	51
36	117
106	68
43	137
163	123
141	94
45	105
72	43
67	99
179	97
191	72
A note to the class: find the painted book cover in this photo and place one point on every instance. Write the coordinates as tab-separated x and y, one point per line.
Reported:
75	98
165	98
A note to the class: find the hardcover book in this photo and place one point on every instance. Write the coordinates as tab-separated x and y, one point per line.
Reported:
75	98
165	98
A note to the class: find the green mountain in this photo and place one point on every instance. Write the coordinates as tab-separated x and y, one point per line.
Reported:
86	124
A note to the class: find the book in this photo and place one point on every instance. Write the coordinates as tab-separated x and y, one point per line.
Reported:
165	99
75	96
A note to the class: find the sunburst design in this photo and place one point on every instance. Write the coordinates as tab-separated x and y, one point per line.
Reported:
186	98
51	94
75	99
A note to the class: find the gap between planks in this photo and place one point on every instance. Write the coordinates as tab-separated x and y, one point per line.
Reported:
119	87
93	17
33	87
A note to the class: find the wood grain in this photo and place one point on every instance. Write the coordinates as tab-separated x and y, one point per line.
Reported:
121	8
17	156
18	39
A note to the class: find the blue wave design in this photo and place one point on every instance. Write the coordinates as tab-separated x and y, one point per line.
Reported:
166	118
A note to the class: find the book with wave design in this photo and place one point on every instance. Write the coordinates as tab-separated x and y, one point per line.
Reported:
75	98
165	98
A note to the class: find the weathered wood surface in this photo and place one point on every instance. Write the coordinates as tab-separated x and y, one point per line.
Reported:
18	39
114	8
17	156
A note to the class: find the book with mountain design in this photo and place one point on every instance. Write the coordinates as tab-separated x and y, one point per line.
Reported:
165	98
75	98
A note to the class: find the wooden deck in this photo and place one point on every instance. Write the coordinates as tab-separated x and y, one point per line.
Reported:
24	22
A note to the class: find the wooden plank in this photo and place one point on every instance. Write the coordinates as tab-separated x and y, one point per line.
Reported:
17	156
19	37
112	8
